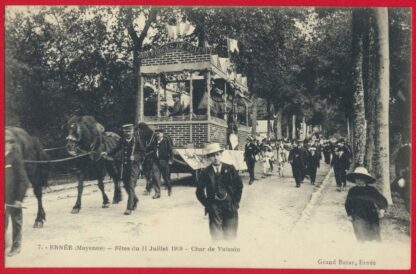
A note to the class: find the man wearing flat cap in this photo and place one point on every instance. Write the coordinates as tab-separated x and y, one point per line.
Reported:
162	152
129	149
219	190
365	206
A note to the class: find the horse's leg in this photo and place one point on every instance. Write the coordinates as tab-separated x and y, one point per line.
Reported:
77	205
117	191
106	201
41	216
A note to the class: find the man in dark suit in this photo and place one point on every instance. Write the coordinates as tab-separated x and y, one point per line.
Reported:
16	184
219	190
129	151
250	152
313	163
297	160
340	163
327	151
162	153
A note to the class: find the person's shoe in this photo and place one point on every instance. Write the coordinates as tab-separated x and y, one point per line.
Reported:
146	193
250	182
170	191
156	196
14	251
339	189
297	185
128	212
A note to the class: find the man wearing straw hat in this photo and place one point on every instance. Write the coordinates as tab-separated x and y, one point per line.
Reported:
219	190
16	184
365	206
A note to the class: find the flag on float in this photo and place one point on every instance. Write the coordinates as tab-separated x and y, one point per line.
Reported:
232	45
172	31
186	29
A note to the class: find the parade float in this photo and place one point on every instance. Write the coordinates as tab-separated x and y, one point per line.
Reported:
195	97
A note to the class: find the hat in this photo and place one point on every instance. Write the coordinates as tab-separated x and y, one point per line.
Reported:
127	126
312	148
362	173
211	148
159	130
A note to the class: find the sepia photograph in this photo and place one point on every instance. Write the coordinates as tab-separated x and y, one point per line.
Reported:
207	137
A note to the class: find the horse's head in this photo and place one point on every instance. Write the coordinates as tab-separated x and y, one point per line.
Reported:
144	132
82	133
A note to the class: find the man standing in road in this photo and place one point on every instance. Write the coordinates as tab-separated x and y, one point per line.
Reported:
130	149
296	159
219	190
250	152
16	183
162	151
340	163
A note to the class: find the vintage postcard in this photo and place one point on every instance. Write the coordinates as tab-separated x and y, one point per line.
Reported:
207	137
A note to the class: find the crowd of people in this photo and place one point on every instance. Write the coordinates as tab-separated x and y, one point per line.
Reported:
219	187
303	155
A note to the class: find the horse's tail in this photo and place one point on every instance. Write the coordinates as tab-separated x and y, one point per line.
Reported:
43	169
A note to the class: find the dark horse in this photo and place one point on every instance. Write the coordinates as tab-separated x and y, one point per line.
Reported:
32	150
87	136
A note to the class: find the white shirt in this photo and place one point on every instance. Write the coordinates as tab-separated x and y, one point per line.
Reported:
217	169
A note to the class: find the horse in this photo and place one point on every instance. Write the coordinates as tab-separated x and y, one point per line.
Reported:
32	151
87	136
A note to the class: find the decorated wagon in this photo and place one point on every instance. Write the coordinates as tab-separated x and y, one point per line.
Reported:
195	97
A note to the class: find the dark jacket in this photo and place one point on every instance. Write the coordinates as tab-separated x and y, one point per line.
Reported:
16	180
207	185
161	150
251	150
313	161
363	202
122	153
340	163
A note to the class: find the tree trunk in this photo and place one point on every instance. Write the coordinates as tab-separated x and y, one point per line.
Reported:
287	130
268	118
370	68
293	127
303	128
382	170
254	116
278	123
359	121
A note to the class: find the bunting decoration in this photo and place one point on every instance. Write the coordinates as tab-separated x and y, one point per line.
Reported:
232	45
179	30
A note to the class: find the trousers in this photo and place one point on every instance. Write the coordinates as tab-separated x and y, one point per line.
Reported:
129	180
250	167
223	222
16	216
340	177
